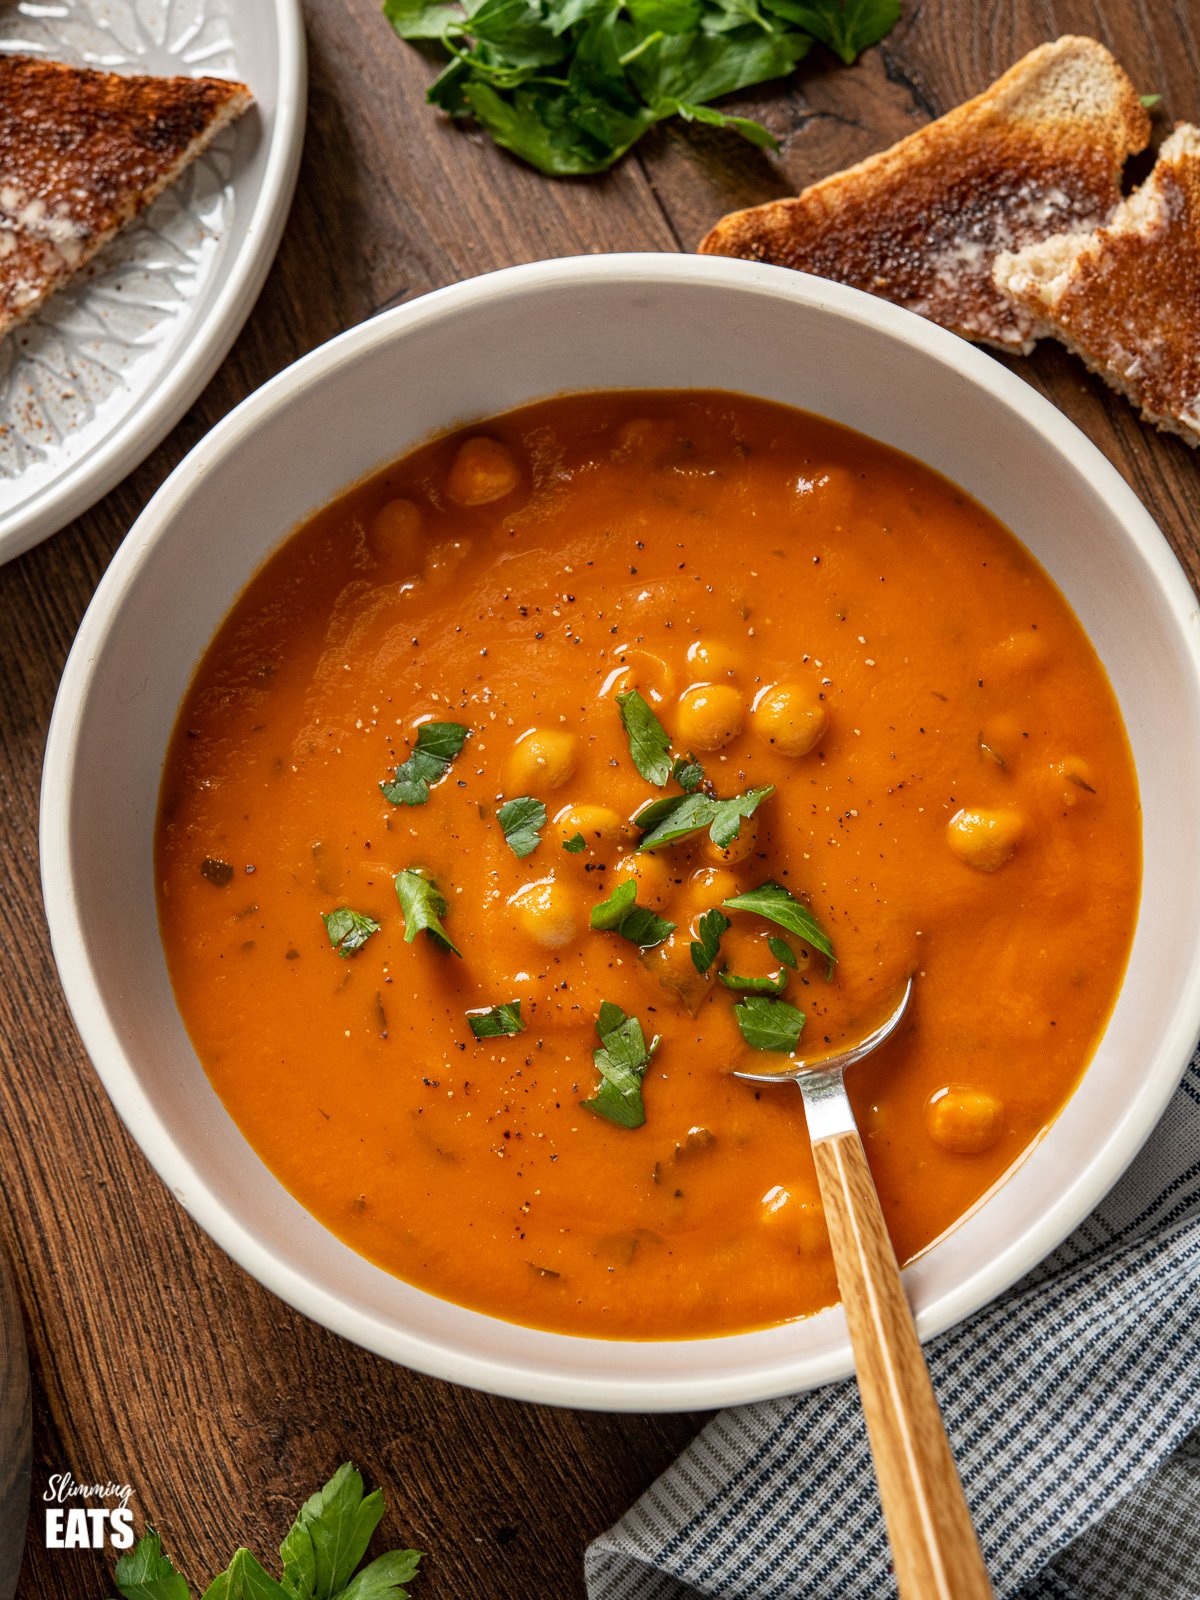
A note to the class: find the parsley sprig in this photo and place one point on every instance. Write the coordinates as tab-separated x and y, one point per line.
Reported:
778	905
649	742
424	906
570	85
438	743
522	820
348	930
621	1061
498	1022
325	1544
620	913
675	817
768	1024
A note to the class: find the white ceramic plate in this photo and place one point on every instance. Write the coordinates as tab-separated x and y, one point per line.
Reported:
597	322
90	384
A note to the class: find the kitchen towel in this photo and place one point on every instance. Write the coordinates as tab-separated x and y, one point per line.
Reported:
1071	1405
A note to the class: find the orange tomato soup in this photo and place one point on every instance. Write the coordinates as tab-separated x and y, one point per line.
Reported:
798	607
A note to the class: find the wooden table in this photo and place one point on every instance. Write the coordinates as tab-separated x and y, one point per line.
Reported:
156	1360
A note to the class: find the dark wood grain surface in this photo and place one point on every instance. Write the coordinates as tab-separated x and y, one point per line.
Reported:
156	1361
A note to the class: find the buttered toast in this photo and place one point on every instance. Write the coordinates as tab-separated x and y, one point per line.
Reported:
82	152
1038	153
1126	298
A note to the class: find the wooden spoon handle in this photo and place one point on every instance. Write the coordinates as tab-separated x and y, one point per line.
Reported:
933	1539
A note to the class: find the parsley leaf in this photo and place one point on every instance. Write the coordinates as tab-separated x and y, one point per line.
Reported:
621	914
775	983
575	844
692	813
245	1579
570	85
782	951
423	906
522	821
621	1061
649	744
497	1023
772	900
348	930
710	928
145	1573
330	1536
769	1024
384	1577
326	1542
437	745
687	773
846	26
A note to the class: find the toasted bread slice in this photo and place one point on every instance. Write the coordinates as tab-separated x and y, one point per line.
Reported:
1126	298
82	153
1040	152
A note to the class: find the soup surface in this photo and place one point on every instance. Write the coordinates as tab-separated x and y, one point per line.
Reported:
591	604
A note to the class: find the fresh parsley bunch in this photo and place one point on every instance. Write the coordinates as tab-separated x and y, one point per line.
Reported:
325	1544
570	85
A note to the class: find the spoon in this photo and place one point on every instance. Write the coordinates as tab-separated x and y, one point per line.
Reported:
934	1547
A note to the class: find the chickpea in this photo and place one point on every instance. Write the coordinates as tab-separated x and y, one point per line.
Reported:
713	659
737	849
1076	780
1000	741
709	886
793	1213
600	826
709	716
984	839
542	760
788	717
646	439
547	911
642	670
1023	654
396	535
444	559
483	470
651	874
964	1121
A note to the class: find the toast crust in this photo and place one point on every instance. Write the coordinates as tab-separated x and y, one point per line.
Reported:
83	152
1038	153
1126	298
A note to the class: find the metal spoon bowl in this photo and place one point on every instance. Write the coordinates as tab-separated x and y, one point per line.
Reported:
936	1552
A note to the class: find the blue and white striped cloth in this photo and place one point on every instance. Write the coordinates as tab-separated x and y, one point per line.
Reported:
1072	1408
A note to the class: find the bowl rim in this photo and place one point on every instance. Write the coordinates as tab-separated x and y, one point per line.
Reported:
85	996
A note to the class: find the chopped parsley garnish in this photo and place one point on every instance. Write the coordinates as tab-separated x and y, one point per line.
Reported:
437	745
772	900
621	1061
348	930
498	1022
575	844
570	85
774	983
522	820
704	949
423	906
621	914
769	1024
323	1547
687	773
782	951
649	744
671	819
